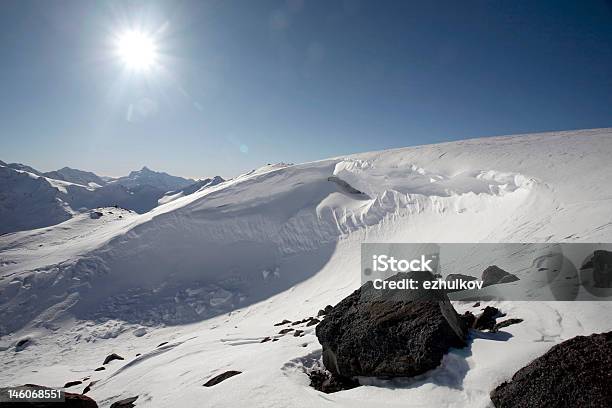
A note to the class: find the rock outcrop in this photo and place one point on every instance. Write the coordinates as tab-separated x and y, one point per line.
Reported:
494	275
575	373
221	377
389	333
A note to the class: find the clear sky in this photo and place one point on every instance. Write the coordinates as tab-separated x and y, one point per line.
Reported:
238	84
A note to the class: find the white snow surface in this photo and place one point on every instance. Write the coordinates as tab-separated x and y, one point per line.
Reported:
211	272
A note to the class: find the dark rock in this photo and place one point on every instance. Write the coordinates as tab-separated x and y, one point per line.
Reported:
468	319
162	344
298	333
124	403
575	373
72	383
324	381
508	278
325	310
285	331
21	344
112	357
494	275
505	323
95	215
265	339
486	320
283	322
296	323
221	377
274	340
477	304
88	387
389	333
602	269
72	400
312	322
457	276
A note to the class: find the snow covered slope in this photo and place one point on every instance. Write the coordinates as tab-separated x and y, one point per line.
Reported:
211	272
190	189
84	178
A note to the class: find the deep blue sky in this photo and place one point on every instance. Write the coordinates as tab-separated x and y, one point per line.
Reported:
244	83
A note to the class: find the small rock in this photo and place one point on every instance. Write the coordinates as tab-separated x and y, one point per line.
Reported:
124	403
298	333
94	215
100	369
285	331
21	344
494	275
282	323
468	319
72	383
88	387
486	321
326	382
221	377
505	323
477	304
265	339
325	311
162	344
112	357
312	322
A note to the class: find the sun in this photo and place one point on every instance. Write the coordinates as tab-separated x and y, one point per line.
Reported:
137	50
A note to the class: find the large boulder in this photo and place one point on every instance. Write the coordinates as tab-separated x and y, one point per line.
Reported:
494	275
575	373
389	333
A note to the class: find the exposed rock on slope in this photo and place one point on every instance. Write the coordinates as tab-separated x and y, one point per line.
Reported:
575	373
221	377
494	274
385	333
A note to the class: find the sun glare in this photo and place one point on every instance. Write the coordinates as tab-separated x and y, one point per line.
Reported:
137	50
